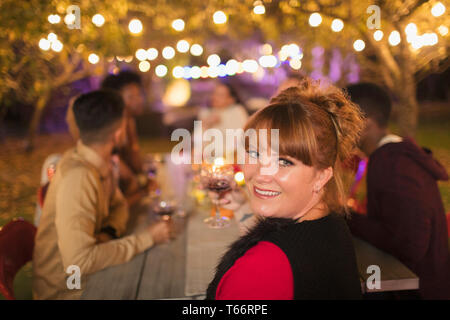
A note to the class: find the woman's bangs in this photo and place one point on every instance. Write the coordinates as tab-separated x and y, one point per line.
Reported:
296	139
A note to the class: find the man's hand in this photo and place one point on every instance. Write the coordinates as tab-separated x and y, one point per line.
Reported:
161	232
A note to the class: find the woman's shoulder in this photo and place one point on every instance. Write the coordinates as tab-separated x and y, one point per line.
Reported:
263	272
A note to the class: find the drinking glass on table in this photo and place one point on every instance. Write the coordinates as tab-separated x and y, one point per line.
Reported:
164	208
218	179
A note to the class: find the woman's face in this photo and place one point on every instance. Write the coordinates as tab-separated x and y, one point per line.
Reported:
221	97
285	193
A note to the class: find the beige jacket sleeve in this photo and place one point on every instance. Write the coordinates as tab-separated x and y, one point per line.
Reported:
75	221
118	213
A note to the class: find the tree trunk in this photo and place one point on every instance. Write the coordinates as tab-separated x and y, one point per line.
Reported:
405	91
408	110
35	121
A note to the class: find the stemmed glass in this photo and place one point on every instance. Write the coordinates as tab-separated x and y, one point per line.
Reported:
218	179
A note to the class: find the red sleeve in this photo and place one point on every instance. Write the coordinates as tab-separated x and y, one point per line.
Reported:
262	273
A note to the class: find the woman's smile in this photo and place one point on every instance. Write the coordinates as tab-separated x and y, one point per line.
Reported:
265	193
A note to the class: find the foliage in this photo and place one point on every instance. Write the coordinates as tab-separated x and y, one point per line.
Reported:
30	75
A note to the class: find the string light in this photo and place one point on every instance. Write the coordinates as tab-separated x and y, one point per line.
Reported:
54	19
219	17
187	72
394	38
337	25
359	45
438	9
52	37
213	72
69	19
315	19
293	50
259	9
411	32
231	67
57	46
196	50
250	65
141	54
266	49
135	26
295	63
204	72
213	60
152	54
268	61
98	20
161	70
178	25
183	46
195	72
443	30
378	35
144	66
44	44
93	58
178	72
168	53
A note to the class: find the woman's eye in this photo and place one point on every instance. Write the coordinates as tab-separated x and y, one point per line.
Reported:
253	154
285	162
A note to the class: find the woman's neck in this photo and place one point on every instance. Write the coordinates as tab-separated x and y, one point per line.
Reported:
318	211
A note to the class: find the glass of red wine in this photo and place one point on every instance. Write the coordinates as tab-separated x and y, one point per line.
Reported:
164	208
218	179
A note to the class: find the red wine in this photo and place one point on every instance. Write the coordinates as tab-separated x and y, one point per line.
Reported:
166	210
218	185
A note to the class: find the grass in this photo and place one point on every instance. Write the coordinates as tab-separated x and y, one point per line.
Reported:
20	175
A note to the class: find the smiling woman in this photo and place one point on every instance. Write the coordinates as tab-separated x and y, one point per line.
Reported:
301	247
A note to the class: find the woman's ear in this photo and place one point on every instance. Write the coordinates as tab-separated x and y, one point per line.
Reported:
323	177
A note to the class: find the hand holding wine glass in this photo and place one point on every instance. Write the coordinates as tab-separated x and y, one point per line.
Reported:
217	179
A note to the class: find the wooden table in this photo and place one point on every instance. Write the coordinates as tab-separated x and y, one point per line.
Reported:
183	268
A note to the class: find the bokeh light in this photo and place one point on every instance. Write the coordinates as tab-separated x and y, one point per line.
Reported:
135	26
219	17
337	25
315	19
178	24
359	45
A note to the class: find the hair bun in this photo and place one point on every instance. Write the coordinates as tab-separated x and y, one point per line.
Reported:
345	115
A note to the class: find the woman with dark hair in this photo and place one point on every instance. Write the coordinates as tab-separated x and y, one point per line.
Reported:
300	247
226	110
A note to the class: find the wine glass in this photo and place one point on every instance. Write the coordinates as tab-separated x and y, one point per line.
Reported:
218	179
164	208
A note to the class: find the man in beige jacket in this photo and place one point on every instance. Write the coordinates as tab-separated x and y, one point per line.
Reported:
84	213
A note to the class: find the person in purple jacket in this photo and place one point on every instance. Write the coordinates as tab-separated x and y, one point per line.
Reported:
405	214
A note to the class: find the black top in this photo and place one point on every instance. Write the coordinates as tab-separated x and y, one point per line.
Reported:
320	253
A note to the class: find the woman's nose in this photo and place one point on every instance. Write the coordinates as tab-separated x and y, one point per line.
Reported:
263	173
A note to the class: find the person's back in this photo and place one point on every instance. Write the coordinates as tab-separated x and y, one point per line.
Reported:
84	212
405	214
402	194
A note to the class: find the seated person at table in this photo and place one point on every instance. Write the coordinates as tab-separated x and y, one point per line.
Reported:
405	215
84	213
300	247
132	178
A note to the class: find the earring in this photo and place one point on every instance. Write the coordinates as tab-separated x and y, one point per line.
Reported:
316	188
